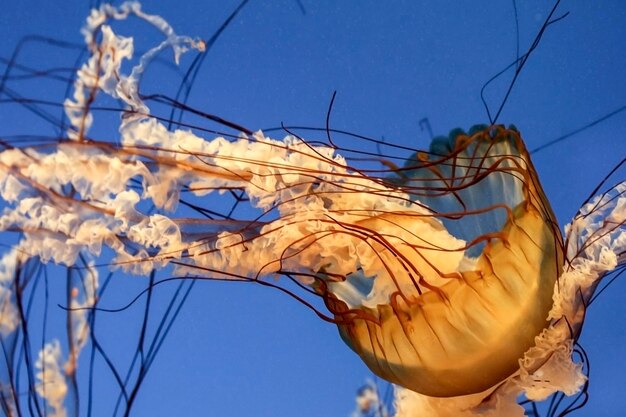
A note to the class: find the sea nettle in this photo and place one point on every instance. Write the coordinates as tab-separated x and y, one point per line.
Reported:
448	276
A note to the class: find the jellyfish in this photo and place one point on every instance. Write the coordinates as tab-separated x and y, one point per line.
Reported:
446	273
455	324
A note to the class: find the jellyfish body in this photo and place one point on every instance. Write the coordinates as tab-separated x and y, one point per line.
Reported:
467	332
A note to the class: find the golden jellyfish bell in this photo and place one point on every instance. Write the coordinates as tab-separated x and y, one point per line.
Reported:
469	283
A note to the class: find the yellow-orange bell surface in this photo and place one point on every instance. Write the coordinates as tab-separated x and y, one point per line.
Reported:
467	331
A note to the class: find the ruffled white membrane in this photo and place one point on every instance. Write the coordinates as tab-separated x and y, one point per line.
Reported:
307	197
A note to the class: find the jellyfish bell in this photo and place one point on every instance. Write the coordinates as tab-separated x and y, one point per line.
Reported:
435	319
